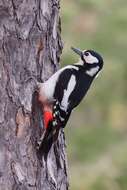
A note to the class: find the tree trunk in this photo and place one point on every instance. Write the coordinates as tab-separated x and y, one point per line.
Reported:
30	47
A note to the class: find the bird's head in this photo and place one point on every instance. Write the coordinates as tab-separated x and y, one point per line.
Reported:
91	59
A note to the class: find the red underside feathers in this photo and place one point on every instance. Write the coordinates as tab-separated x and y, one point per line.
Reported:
48	116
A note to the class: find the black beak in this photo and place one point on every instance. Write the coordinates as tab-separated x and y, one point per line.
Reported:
76	50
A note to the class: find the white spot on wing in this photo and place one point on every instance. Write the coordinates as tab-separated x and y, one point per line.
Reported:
67	92
92	71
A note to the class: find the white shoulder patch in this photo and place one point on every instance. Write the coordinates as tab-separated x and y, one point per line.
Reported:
92	71
67	93
49	85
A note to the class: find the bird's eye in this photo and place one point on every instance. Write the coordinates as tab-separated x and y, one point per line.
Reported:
86	53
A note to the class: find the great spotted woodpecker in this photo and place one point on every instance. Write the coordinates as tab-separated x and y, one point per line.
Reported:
65	89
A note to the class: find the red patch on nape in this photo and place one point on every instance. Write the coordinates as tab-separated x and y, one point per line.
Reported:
48	116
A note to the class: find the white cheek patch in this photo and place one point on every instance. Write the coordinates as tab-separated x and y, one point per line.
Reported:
90	59
92	71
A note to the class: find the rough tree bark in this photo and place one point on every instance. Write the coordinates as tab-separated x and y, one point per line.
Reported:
30	46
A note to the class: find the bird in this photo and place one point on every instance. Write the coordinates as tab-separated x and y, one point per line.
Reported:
66	88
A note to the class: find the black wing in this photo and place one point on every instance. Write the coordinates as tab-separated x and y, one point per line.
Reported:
62	84
83	83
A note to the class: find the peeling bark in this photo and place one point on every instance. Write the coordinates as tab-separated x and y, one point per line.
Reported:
30	47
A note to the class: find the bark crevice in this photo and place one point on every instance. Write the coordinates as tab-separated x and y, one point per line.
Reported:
30	47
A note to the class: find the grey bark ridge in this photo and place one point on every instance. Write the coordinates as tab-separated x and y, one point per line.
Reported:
30	46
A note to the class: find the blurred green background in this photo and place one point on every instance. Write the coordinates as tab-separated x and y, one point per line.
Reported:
97	131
